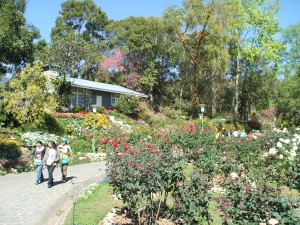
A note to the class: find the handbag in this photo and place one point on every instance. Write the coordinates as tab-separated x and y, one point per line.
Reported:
37	162
65	161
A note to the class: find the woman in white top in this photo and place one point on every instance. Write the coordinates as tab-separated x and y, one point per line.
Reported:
51	158
65	154
39	153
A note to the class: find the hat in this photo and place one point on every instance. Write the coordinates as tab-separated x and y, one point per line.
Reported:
64	140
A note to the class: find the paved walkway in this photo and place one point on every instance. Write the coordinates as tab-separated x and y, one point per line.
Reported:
23	202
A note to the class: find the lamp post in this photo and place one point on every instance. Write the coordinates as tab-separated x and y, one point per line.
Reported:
94	127
202	108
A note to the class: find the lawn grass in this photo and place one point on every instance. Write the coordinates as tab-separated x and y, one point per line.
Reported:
93	209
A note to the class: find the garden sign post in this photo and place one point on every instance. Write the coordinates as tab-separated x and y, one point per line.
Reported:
202	108
94	128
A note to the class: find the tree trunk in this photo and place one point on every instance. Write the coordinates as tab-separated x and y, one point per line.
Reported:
214	96
236	102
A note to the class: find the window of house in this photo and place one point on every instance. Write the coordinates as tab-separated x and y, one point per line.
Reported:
114	98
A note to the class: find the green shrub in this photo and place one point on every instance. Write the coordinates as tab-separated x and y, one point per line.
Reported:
52	125
77	109
9	149
100	109
170	112
80	145
128	105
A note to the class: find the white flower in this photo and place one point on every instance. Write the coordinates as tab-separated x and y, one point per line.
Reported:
293	153
295	148
287	141
279	145
273	221
280	156
294	140
272	151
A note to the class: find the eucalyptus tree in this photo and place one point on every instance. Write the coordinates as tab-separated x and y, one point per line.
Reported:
252	27
202	37
16	36
78	39
147	47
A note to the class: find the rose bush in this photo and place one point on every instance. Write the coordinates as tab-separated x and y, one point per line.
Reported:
148	174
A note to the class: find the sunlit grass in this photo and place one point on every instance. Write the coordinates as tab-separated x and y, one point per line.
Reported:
93	209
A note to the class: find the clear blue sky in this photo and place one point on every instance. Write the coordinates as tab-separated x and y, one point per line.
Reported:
43	13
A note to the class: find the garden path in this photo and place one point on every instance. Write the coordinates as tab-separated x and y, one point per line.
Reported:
24	203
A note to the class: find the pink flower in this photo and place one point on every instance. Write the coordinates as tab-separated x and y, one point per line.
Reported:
221	142
120	154
191	128
242	174
179	184
239	142
165	140
223	159
118	140
103	142
125	147
179	134
139	166
234	176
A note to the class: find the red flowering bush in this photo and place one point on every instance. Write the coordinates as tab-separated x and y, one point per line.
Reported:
144	176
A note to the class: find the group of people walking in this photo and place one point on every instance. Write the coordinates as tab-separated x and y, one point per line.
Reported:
52	156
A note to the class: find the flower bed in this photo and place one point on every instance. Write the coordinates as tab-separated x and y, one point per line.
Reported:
150	178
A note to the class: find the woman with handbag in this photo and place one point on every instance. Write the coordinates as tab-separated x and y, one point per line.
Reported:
65	154
51	158
39	153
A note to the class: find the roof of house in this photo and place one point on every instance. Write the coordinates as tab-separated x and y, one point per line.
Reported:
104	87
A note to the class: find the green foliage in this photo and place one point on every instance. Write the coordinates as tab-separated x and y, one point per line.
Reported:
127	104
288	102
16	36
171	113
100	109
52	125
79	31
80	145
10	149
28	99
77	109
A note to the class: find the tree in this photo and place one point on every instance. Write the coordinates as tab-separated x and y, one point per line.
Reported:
146	44
252	27
16	37
291	54
27	99
201	33
288	101
78	39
